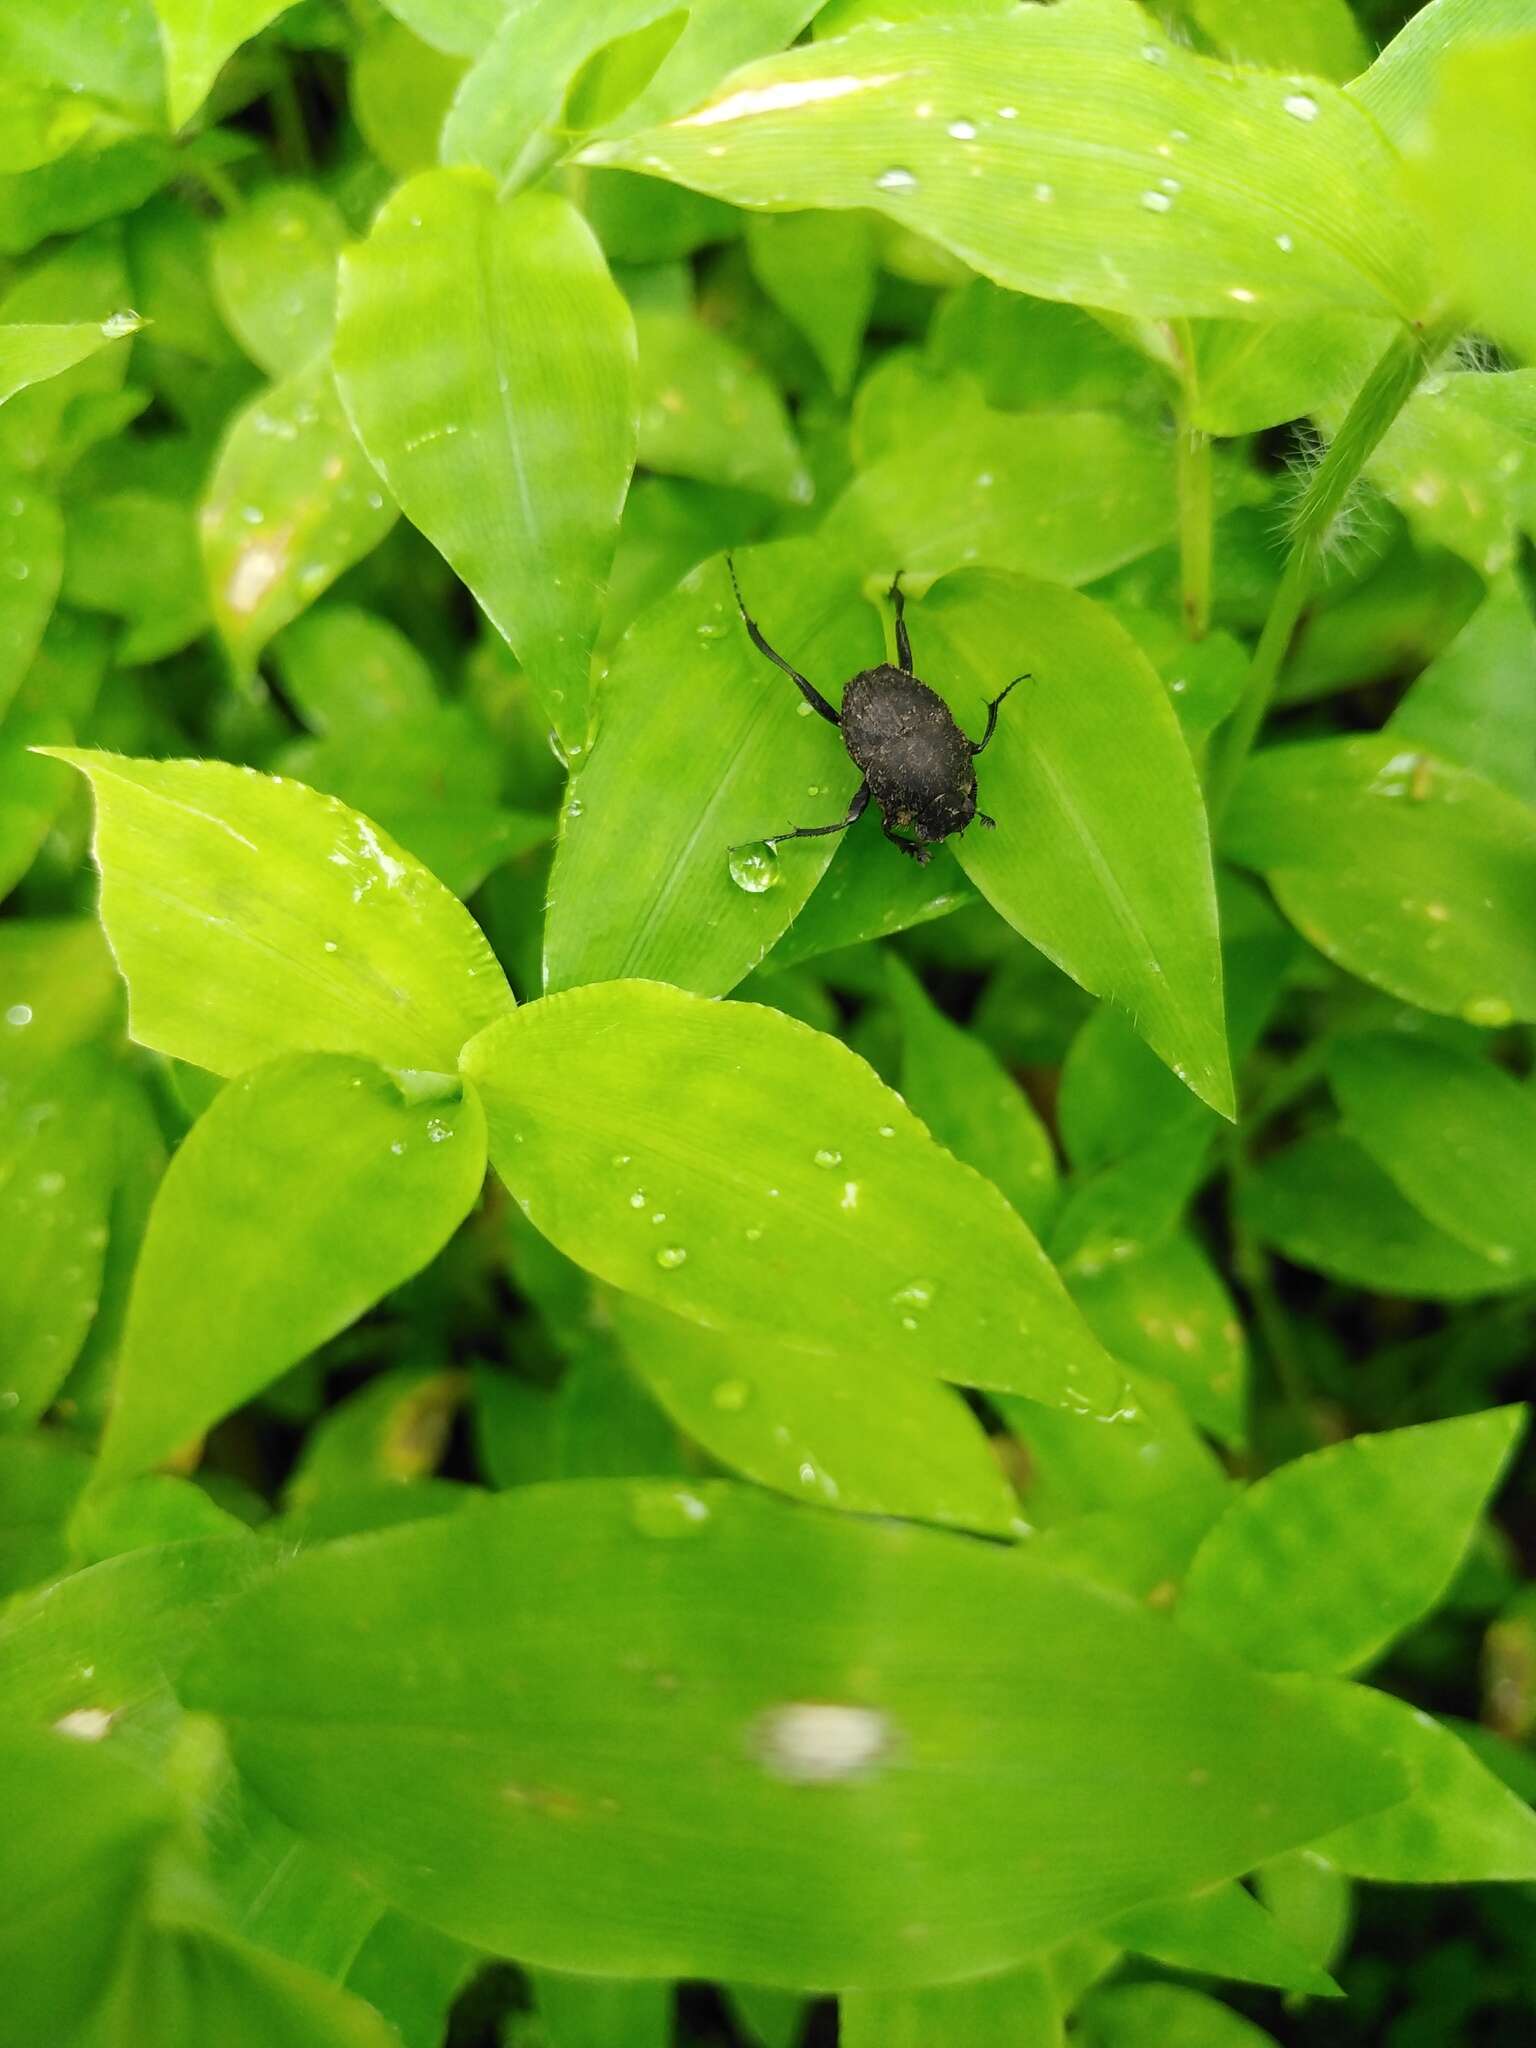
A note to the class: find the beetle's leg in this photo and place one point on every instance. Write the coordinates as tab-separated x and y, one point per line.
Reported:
980	744
903	644
808	690
983	819
855	812
921	854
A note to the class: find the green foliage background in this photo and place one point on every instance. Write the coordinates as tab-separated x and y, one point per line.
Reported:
610	1435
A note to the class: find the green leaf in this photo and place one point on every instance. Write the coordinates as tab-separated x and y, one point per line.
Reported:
307	1191
410	1973
596	2012
41	1478
391	1431
1320	37
862	897
274	275
252	917
819	270
1247	375
1142	1549
31	566
72	46
1311	1901
865	1229
865	1432
1414	874
1459	463
1324	1203
1474	704
1456	1133
291	503
818	1713
461	27
487	362
1074	1467
1109	165
746	768
135	555
708	412
1458	1824
1101	856
1308	1569
1400	88
1224	1932
346	670
199	35
1018	2008
970	1103
401	91
32	354
1164	2016
1167	1311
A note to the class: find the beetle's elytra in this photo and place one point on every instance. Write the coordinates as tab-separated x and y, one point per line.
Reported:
916	762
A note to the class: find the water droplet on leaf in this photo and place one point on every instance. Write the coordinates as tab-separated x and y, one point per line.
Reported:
754	868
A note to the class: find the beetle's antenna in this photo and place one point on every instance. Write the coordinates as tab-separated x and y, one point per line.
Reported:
807	689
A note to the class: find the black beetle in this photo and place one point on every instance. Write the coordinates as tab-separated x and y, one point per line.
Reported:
916	762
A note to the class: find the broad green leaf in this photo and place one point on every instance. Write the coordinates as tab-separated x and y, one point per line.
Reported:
55	698
865	1432
819	1714
274	275
1249	375
1030	354
278	1892
1224	1932
31	566
32	354
1414	874
199	35
1459	462
1164	2016
346	669
38	125
970	1103
1068	496
291	503
58	988
169	251
55	1197
401	90
1324	1203
82	281
70	1890
846	1224
158	1508
708	412
410	1973
1167	1311
1308	1570
1311	1901
1072	152
392	1430
1101	856
307	1191
1458	1824
461	27
690	709
1143	1549
487	362
1474	704
599	2012
72	46
1456	1133
134	554
1018	2008
862	897
1071	1469
1475	179
102	1649
41	1477
316	934
819	270
1400	88
1320	37
84	187
551	71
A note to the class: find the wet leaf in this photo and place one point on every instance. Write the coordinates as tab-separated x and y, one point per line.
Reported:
1101	856
1167	1311
1400	88
307	1191
488	364
315	935
1308	1571
866	1431
861	1232
1415	874
274	275
32	354
545	1742
1072	152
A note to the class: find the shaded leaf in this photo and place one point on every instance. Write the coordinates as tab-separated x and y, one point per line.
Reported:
1167	1311
32	354
1399	89
31	566
707	411
487	362
1019	2008
317	935
1308	1570
199	35
274	274
864	1225
1474	704
701	1675
1221	1933
819	270
1164	2016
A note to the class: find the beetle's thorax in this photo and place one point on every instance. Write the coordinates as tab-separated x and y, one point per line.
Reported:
914	756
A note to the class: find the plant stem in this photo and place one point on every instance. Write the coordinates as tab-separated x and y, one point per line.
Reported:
288	119
1380	399
216	182
1194	470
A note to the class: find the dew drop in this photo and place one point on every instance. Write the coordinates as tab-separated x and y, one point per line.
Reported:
804	710
671	1256
731	1396
916	1294
1007	113
896	180
667	1512
1045	193
437	1131
19	1016
1284	244
963	131
1243	296
1154	53
811	1742
752	1233
575	807
1300	106
711	629
637	1199
622	1158
886	1131
397	1147
755	868
1156	202
85	1724
825	1156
